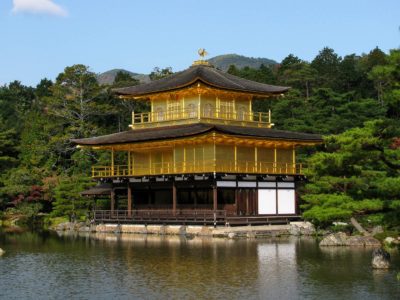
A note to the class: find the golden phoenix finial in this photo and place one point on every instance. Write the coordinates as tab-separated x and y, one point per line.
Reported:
202	52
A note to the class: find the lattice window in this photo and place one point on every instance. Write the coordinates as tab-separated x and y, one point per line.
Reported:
174	109
208	110
226	109
192	110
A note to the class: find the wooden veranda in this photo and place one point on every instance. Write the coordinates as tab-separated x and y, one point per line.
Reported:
187	217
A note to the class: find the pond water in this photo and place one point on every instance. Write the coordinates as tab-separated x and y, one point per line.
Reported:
101	266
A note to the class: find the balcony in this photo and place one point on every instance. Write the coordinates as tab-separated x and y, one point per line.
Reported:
210	166
194	115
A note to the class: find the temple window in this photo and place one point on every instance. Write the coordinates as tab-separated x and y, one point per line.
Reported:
208	110
192	110
174	108
159	114
226	109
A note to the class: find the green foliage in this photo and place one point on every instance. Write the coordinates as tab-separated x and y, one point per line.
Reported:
354	101
158	73
68	200
354	176
124	79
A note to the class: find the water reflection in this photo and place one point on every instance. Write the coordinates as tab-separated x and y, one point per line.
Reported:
277	267
126	266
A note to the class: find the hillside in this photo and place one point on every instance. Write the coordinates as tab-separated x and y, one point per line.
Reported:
223	62
109	76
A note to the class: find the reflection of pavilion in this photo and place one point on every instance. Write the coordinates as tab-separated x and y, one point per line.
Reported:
277	268
200	155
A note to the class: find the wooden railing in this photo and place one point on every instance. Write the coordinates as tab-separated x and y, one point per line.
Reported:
205	216
186	216
159	118
205	166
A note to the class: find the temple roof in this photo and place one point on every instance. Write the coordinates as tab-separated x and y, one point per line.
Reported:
205	74
103	189
181	131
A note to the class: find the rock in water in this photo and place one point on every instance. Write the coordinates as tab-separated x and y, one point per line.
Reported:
380	259
335	239
2	252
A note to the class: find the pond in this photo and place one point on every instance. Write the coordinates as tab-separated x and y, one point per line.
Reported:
110	266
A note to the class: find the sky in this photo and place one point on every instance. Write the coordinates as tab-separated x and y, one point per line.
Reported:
39	38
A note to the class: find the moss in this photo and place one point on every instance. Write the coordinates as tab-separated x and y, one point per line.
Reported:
54	221
383	235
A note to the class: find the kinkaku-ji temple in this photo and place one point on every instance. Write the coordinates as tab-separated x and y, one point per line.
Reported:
200	155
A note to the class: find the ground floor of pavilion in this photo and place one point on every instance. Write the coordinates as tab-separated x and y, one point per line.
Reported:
208	199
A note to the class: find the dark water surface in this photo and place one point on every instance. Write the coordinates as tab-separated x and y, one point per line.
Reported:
47	266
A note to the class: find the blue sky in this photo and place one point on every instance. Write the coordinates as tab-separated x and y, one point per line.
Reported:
39	38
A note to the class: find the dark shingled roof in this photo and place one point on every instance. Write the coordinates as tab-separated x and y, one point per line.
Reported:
98	190
179	131
205	74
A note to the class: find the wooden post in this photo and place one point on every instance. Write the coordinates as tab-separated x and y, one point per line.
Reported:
129	201
174	202
215	200
215	204
112	162
112	201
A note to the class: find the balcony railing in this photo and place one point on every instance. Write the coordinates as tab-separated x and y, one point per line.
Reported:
182	116
205	166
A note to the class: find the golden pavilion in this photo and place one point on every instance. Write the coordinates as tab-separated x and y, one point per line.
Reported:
200	155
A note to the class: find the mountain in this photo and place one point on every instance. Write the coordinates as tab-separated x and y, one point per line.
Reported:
223	62
109	76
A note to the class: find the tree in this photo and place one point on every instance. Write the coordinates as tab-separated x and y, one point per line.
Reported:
300	75
350	74
326	63
356	175
74	99
287	63
125	107
76	108
68	201
387	82
124	79
158	73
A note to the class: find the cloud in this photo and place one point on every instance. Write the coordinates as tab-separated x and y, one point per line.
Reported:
38	7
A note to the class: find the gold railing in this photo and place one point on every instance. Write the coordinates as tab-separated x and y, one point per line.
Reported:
159	118
205	166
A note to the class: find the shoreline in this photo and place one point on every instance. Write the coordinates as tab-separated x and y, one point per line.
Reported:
293	228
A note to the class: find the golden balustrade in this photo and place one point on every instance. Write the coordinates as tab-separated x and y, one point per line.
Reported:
198	167
187	116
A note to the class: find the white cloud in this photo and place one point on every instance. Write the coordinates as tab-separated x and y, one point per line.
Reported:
38	7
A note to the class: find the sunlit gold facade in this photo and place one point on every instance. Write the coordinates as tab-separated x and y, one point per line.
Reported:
200	104
210	153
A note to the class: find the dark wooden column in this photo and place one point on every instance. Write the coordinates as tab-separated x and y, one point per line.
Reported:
215	195
112	200
174	200
129	200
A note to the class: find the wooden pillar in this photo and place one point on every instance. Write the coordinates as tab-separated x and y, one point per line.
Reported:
112	200
247	202
129	200
215	200
174	202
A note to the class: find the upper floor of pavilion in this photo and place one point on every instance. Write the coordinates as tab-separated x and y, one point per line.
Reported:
202	94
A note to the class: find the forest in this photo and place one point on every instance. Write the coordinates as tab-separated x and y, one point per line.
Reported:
353	101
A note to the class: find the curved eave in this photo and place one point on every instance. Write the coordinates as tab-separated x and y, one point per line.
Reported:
206	75
189	131
193	83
